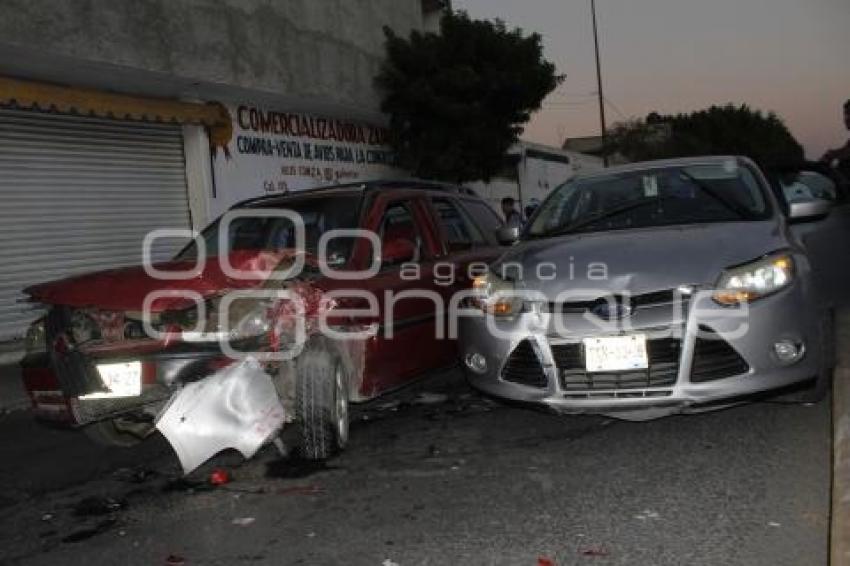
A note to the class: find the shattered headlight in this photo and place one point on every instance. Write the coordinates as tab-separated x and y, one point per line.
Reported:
36	338
495	295
252	319
750	282
245	319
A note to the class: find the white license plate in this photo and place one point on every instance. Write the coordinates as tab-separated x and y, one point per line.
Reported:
615	353
122	380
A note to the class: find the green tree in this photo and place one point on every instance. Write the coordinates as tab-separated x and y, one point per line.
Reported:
718	130
457	100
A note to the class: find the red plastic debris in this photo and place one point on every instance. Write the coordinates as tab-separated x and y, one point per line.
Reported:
543	561
220	476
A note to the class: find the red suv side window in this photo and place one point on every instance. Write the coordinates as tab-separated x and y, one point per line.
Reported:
458	231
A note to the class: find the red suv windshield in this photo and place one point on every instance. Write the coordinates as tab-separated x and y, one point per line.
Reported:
318	213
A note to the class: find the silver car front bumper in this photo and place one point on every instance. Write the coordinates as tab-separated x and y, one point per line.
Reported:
688	382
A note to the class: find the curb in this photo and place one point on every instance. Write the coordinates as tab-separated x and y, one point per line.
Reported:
10	358
11	352
13	397
840	523
14	405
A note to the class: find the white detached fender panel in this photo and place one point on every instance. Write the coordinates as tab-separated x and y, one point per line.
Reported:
236	407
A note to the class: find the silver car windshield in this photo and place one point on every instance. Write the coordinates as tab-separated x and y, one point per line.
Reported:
692	194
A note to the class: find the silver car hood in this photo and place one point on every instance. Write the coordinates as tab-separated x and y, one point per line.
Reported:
641	260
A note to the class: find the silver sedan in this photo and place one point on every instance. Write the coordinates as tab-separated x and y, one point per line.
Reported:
658	288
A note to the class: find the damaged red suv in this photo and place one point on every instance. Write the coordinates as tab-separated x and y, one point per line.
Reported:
117	347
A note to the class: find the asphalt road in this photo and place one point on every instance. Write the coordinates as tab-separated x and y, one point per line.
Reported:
431	480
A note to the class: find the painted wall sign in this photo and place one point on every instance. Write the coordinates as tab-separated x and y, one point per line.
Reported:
274	152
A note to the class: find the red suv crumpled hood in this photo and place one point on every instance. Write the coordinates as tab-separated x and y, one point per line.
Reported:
126	288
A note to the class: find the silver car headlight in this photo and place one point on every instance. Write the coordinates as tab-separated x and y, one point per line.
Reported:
753	281
495	295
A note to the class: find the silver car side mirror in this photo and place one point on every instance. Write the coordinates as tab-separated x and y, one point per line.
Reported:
809	210
507	235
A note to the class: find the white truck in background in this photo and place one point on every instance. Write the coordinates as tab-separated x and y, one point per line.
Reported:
531	172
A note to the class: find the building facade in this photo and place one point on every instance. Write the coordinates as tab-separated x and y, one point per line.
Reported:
118	117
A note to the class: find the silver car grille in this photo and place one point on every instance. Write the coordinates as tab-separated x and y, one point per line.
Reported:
663	355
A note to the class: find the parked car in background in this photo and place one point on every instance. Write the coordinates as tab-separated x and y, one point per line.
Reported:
663	287
91	363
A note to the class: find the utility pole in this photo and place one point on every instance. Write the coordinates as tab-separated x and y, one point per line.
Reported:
599	84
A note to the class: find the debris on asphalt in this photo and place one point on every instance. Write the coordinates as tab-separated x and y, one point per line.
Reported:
428	398
371	418
187	485
220	476
388	562
543	561
47	517
236	407
133	475
87	533
390	405
174	560
296	468
594	551
96	506
243	521
300	490
774	524
647	514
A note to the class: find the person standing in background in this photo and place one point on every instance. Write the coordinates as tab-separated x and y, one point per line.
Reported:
513	219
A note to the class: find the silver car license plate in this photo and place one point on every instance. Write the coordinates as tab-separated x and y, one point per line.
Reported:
615	353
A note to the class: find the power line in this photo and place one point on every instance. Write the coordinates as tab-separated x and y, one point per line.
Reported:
557	94
619	112
567	104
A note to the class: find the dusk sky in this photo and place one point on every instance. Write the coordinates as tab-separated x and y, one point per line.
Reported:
789	56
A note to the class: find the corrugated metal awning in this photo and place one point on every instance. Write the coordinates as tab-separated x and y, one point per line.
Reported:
26	95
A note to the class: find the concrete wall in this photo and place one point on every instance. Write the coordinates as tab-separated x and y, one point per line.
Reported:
301	49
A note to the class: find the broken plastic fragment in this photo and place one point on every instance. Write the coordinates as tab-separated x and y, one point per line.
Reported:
236	407
219	476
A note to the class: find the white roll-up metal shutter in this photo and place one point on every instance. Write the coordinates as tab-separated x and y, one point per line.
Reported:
79	194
